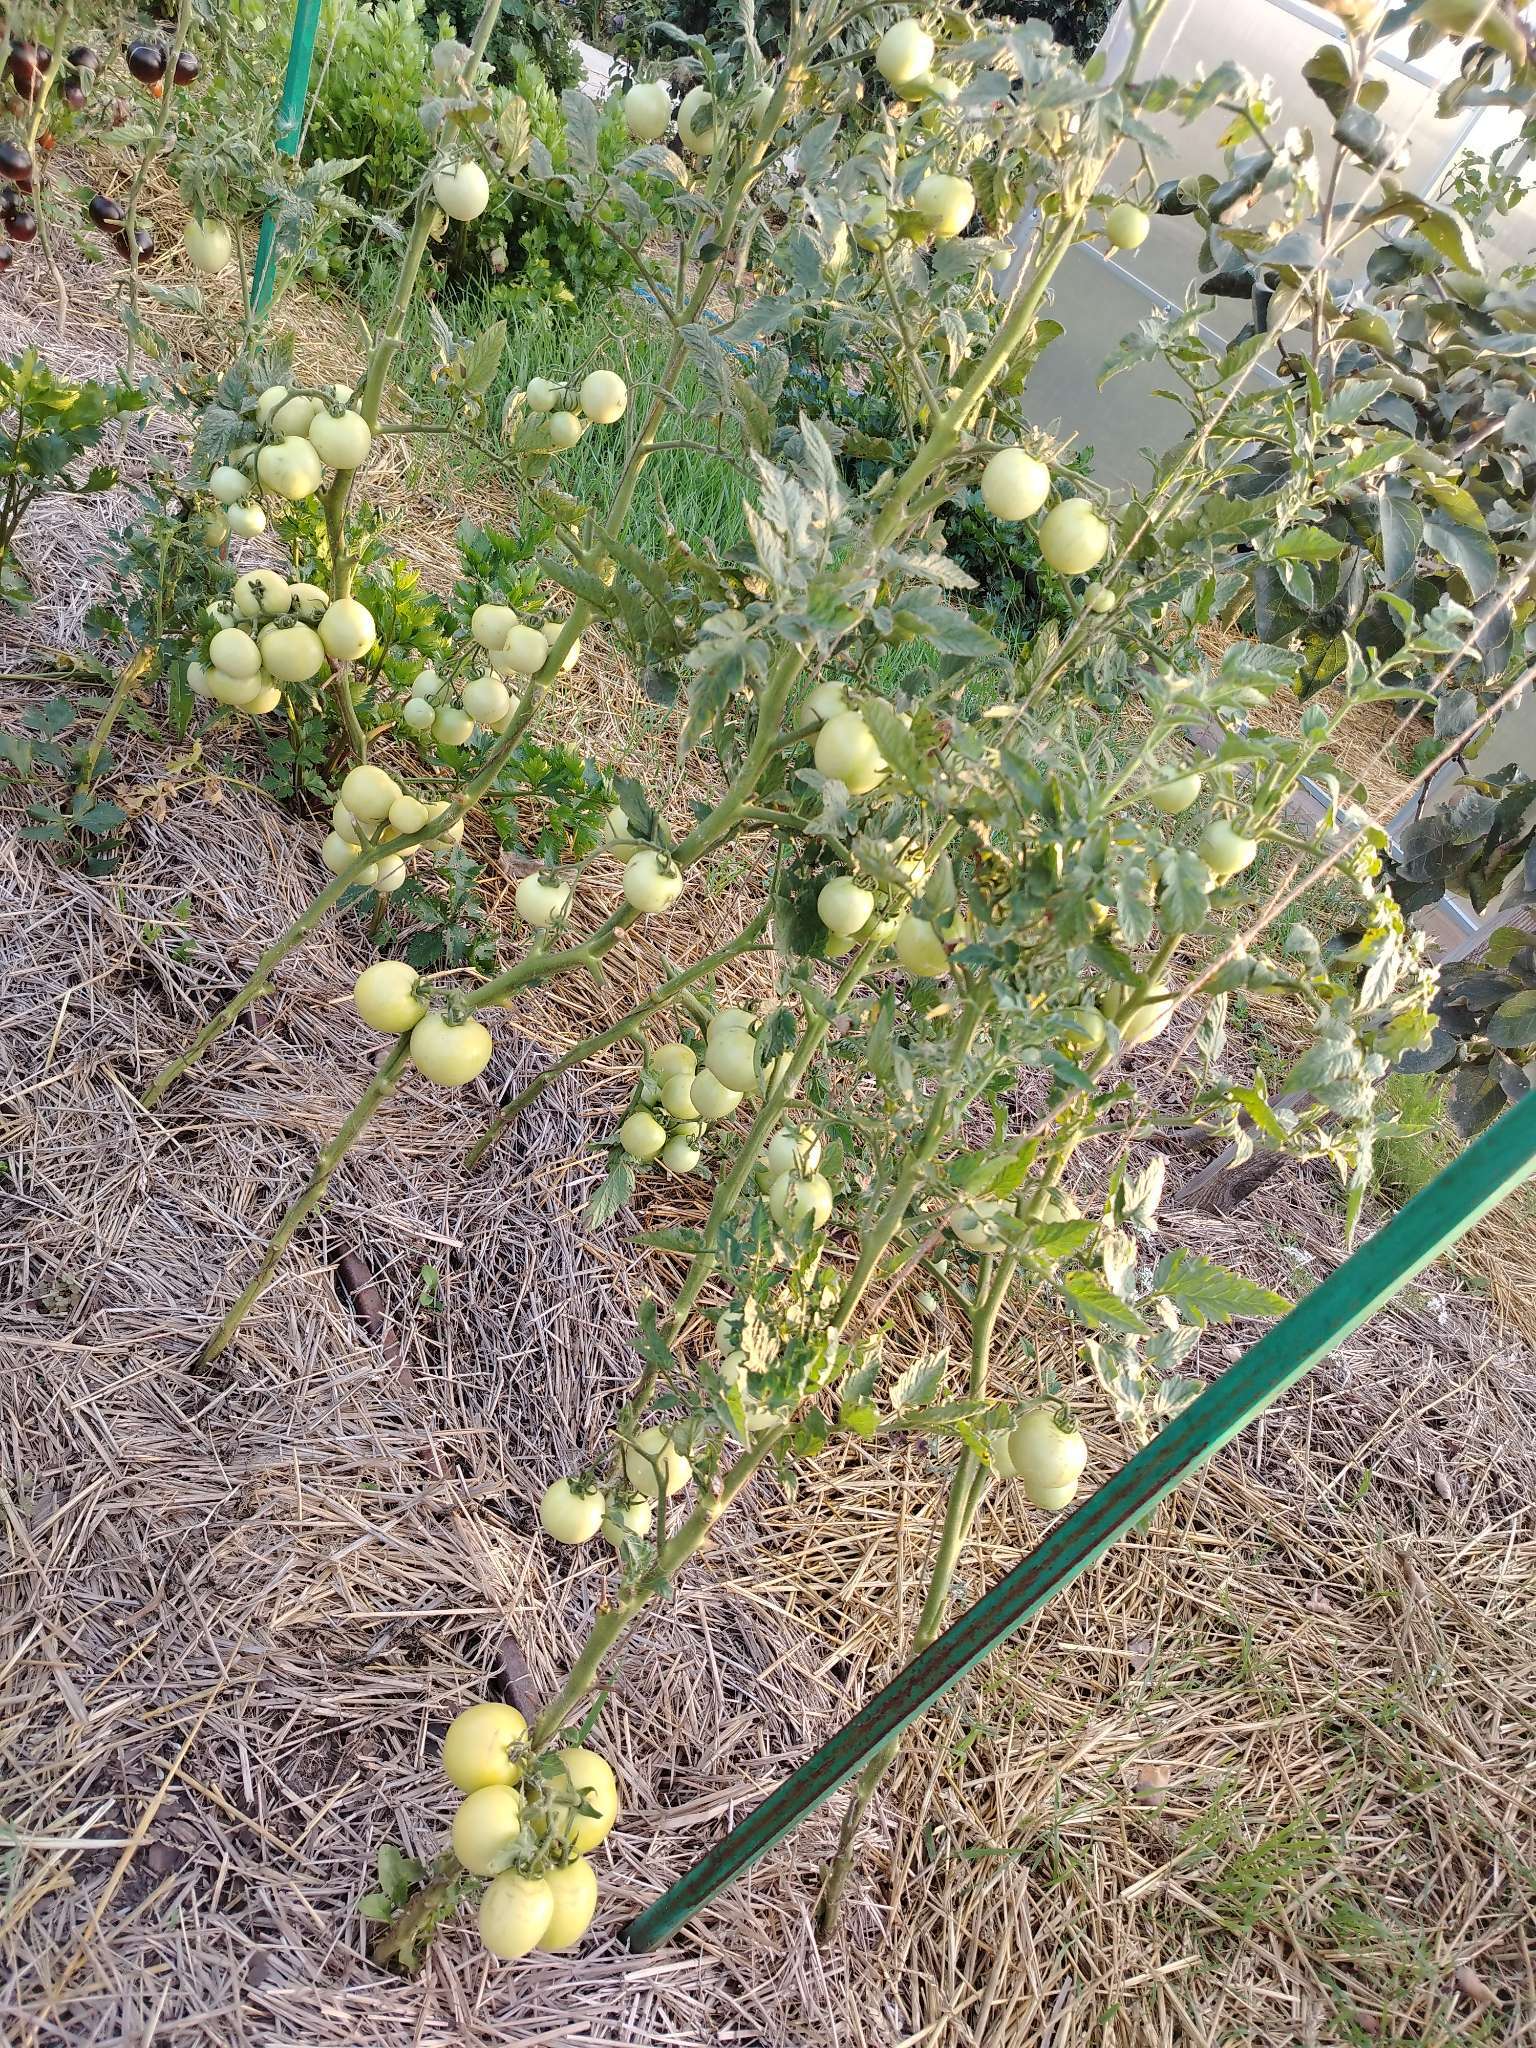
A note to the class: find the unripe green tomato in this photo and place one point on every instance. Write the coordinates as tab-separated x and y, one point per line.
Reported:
409	814
338	856
641	1137
1014	485
307	601
486	1825
1172	798
347	629
1224	850
451	726
844	905
632	1518
261	594
846	750
919	947
1149	1019
647	111
653	1449
448	1053
570	1516
490	624
213	528
975	1223
904	52
792	1152
417	713
229	485
292	652
997	1445
461	190
341	440
523	652
731	1057
604	397
1047	1459
477	1748
384	996
680	1155
945	203
651	882
730	1020
234	651
1099	598
564	430
291	468
677	1096
268	402
390	874
573	1886
673	1058
1073	538
1086	1033
540	900
209	245
710	1098
197	679
368	792
487	700
294	414
246	520
1126	226
824	702
795	1196
264	701
696	122
541	395
515	1912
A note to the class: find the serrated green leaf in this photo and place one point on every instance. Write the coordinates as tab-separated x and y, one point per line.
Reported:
1204	1292
1098	1304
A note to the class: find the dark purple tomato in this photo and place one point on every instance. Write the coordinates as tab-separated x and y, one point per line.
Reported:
7	257
25	69
146	62
105	212
84	58
15	159
73	90
22	227
187	66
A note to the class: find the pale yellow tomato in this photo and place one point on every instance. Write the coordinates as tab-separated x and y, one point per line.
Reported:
450	1054
478	1748
651	1449
385	996
515	1912
584	1777
485	1827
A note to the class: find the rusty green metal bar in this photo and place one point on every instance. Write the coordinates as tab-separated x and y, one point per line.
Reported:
1420	1232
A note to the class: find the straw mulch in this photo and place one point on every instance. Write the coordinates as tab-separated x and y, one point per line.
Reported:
1266	1776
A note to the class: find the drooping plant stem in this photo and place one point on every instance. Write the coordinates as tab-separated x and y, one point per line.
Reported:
532	967
134	672
382	1085
965	1491
669	991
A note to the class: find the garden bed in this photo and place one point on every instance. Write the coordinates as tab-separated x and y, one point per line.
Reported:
1266	1774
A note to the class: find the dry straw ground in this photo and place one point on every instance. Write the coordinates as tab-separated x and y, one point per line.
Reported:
1265	1777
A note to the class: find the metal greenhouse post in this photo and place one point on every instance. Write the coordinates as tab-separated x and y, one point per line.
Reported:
1466	1190
290	125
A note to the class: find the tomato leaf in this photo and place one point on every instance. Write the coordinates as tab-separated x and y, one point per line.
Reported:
1099	1305
1207	1293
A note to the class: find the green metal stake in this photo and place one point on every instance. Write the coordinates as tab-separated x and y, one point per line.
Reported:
1425	1227
290	125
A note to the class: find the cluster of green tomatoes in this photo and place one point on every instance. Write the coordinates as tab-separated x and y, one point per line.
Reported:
272	635
298	436
528	1823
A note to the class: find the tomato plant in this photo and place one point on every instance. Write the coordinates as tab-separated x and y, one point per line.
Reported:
984	879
